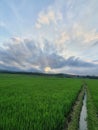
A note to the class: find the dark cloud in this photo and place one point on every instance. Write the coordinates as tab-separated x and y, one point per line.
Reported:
95	43
28	55
76	62
95	60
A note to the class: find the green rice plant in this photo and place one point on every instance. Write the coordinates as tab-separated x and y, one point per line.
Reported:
92	104
36	103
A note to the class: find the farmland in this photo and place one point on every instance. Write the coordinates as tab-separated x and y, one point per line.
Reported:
44	103
93	87
92	104
38	103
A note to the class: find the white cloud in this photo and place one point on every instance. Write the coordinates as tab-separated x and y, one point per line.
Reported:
16	40
90	36
63	38
38	25
47	17
85	36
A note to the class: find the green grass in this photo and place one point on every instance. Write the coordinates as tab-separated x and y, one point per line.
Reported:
35	103
75	114
92	104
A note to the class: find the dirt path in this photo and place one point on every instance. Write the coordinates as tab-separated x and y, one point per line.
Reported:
74	115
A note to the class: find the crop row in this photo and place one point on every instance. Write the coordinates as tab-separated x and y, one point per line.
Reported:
36	103
92	104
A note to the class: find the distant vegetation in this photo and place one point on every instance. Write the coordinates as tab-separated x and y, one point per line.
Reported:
49	74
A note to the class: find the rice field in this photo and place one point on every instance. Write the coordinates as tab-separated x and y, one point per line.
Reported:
44	103
92	104
93	88
36	103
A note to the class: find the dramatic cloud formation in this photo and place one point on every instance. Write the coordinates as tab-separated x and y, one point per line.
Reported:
26	55
54	36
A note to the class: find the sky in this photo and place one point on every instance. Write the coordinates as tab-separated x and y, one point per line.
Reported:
49	36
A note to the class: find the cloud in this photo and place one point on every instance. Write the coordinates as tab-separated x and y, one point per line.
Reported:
63	38
48	16
71	35
27	56
83	35
38	25
95	44
91	36
74	62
